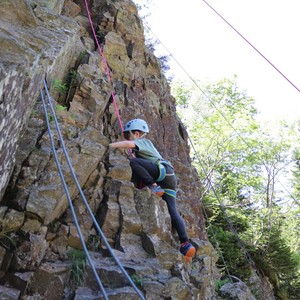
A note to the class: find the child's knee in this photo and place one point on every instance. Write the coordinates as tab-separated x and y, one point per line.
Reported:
132	161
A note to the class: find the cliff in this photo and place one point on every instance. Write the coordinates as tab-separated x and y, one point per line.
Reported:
53	41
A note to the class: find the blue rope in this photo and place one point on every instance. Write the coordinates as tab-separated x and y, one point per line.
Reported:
70	202
85	201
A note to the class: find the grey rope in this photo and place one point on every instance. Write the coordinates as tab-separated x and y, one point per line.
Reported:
218	248
85	201
233	229
70	201
245	252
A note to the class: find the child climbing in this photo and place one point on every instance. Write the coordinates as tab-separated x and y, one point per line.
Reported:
149	167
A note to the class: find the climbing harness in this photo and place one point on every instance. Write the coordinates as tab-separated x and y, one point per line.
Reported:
163	175
161	163
170	192
83	198
162	172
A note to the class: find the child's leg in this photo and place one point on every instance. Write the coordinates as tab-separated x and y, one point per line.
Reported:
145	170
170	186
177	221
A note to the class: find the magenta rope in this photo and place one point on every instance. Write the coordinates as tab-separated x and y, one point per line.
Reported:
106	65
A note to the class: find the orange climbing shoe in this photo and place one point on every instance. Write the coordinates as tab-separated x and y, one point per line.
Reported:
187	250
157	190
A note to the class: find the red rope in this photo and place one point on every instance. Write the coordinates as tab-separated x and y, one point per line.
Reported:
105	63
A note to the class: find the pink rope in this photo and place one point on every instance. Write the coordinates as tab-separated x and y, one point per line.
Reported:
106	65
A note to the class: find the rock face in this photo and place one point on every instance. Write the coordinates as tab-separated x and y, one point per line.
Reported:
53	41
237	290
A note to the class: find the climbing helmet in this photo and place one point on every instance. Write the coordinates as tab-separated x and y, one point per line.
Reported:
136	124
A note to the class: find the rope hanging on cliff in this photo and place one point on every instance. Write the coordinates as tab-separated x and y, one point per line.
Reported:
231	226
83	197
106	70
206	96
70	200
200	89
105	63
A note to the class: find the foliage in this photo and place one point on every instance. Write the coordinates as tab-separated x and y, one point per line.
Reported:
94	242
50	118
241	162
137	281
67	89
280	264
296	177
144	10
164	60
60	107
78	264
59	86
220	283
225	240
33	113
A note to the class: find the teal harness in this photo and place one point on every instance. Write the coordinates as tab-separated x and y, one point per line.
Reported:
162	176
170	192
162	171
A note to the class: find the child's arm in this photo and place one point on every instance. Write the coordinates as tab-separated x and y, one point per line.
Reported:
122	144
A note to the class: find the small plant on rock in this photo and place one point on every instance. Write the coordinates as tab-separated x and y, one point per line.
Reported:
60	107
94	242
78	264
137	280
59	86
220	283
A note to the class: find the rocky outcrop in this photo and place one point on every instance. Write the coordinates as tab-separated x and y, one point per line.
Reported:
237	291
35	42
52	40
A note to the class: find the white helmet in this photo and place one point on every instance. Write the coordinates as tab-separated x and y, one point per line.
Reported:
136	124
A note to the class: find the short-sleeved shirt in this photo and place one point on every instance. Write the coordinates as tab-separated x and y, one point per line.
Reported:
145	149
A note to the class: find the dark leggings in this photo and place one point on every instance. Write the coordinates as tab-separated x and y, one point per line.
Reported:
146	171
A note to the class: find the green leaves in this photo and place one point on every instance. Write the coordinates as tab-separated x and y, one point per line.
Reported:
241	163
78	260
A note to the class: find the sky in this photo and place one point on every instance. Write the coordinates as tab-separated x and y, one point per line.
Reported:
208	49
